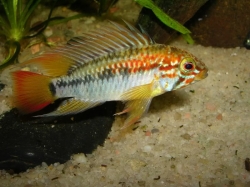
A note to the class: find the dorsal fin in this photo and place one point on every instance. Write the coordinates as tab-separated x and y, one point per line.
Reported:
51	64
101	42
90	46
106	39
145	33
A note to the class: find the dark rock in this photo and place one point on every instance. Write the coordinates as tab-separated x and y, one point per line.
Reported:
26	142
85	6
247	41
180	10
247	164
2	86
221	23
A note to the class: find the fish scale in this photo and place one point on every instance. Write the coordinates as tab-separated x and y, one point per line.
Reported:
109	64
111	69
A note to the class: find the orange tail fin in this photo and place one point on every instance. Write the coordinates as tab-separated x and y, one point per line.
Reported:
31	91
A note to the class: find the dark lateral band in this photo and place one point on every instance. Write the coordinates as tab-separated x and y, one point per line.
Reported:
52	89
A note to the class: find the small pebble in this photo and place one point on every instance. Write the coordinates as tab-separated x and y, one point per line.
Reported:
154	131
35	48
210	106
48	32
219	117
177	116
247	164
147	148
147	133
79	158
187	116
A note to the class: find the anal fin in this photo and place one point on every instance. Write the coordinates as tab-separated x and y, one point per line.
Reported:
71	106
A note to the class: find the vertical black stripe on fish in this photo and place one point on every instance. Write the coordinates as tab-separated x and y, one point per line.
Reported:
52	88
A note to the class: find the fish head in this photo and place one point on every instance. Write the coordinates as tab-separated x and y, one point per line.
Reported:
183	69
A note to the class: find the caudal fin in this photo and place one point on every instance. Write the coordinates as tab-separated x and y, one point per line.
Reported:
31	91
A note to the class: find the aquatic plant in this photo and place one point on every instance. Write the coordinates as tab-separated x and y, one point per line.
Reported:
15	25
167	20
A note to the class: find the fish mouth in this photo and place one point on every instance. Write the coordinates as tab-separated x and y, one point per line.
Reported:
202	75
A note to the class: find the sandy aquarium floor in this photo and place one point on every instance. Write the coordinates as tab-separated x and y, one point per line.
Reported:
198	136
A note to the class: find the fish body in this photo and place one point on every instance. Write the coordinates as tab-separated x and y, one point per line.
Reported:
115	63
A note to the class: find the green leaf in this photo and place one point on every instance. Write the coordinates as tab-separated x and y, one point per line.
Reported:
28	10
14	25
166	19
14	8
10	13
5	6
14	49
188	38
59	20
5	27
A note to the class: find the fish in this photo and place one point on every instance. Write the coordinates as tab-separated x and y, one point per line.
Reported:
113	63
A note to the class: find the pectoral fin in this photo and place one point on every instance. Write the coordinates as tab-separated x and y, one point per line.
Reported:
138	92
71	106
138	100
136	109
144	91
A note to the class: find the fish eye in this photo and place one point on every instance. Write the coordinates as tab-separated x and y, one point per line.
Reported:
187	65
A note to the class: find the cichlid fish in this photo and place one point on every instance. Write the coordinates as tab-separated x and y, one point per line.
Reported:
109	64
